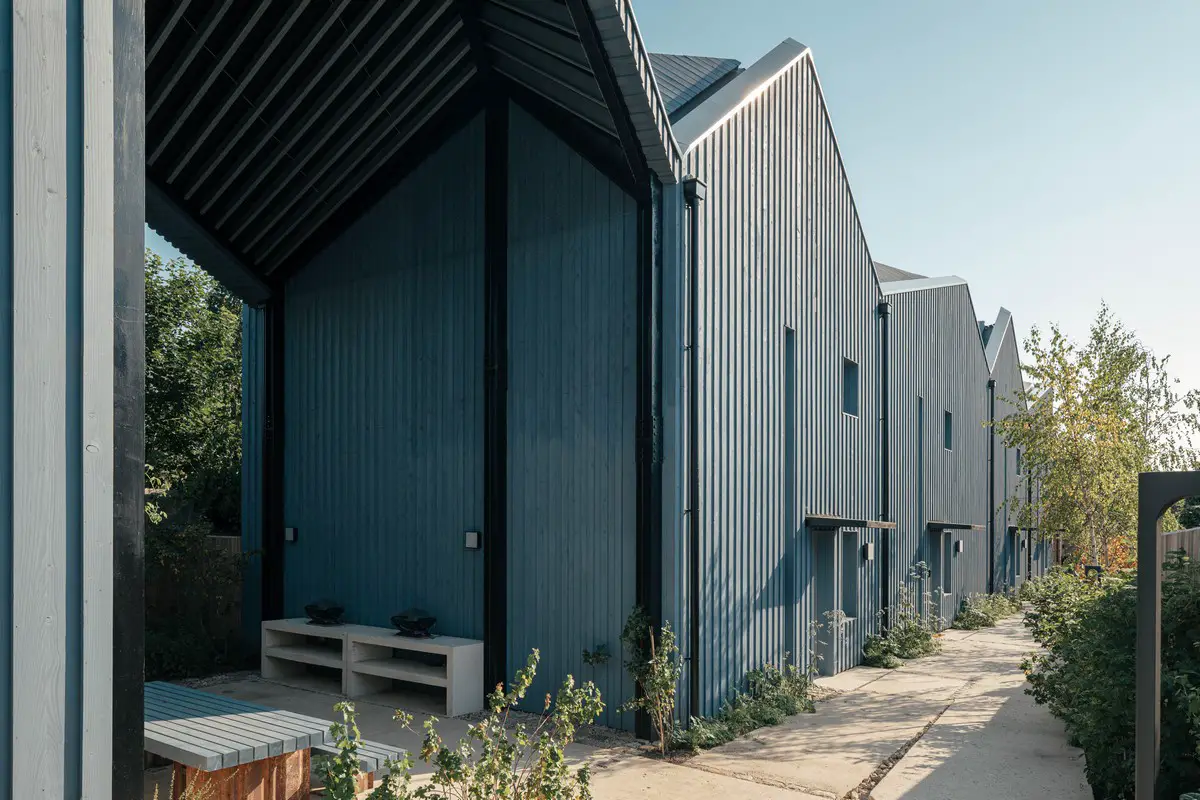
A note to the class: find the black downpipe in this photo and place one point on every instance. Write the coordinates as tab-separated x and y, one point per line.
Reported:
991	385
693	192
885	488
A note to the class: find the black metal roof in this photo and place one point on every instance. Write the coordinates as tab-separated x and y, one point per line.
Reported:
888	274
267	122
681	79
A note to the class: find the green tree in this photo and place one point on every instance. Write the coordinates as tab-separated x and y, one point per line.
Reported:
1189	513
194	390
1099	413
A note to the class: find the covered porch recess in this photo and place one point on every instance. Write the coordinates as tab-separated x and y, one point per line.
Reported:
446	220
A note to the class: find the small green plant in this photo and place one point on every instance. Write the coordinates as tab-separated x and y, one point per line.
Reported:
772	695
814	656
655	668
984	610
597	657
916	623
494	759
877	652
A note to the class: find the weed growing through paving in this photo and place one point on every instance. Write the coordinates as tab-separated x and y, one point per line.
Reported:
984	611
916	624
772	695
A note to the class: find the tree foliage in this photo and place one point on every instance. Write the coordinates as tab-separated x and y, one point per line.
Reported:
193	470
194	390
1099	413
1085	672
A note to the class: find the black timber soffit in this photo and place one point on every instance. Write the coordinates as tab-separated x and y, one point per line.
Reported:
944	525
265	121
831	523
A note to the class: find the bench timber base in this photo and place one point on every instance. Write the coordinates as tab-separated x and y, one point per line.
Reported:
285	777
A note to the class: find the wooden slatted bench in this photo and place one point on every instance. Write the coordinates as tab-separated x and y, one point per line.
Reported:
372	760
244	750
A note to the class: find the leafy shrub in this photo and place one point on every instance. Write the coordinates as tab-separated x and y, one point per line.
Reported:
1086	675
193	593
655	669
984	611
916	623
493	760
877	652
772	695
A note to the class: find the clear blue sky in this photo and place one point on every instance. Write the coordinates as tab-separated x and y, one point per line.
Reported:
1048	152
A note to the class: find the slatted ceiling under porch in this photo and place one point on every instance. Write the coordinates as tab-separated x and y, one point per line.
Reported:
534	43
269	123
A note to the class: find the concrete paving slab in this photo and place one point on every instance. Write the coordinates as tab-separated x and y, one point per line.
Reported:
829	752
644	777
852	679
914	681
993	742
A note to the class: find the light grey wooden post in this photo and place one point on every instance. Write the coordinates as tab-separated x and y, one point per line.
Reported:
56	397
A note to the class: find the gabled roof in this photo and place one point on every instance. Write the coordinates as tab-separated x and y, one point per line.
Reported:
887	273
682	79
999	330
725	102
918	284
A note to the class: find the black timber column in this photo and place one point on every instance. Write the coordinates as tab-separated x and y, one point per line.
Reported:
129	393
649	411
495	388
649	403
272	459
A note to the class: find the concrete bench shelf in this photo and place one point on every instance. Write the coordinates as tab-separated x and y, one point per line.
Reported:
369	659
291	646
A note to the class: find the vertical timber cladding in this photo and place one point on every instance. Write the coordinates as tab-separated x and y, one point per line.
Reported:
937	357
781	247
384	453
572	390
1007	373
71	398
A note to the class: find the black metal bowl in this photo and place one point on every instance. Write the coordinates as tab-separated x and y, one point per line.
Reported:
414	622
324	612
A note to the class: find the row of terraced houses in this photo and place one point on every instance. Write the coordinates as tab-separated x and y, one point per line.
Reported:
819	425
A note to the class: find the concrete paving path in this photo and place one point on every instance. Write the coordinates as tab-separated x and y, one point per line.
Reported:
955	726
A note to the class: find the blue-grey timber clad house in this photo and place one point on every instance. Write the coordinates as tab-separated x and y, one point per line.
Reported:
506	273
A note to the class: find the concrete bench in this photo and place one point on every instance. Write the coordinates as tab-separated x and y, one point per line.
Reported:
240	749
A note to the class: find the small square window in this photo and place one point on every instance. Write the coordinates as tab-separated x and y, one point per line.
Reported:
949	432
850	387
